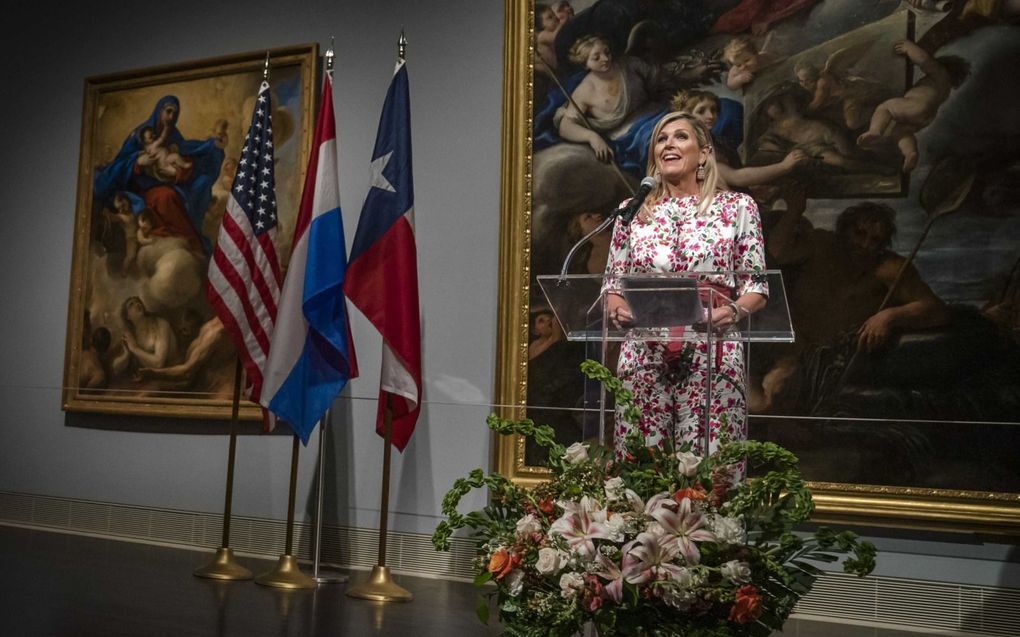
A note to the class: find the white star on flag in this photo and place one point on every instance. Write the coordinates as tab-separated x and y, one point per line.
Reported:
378	166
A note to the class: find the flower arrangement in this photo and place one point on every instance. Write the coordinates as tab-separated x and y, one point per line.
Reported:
661	543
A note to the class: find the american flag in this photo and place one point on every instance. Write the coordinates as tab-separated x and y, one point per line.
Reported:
244	273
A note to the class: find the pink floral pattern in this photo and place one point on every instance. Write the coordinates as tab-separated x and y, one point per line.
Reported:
726	238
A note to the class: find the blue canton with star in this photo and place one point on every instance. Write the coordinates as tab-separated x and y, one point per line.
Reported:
254	187
392	191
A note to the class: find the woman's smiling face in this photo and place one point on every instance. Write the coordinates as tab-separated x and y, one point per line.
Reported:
677	151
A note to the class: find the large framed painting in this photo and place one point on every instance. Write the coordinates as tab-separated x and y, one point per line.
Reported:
881	145
159	150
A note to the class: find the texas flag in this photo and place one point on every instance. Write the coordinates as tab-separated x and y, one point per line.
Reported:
382	274
312	356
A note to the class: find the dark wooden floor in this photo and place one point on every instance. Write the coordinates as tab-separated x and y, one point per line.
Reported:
60	585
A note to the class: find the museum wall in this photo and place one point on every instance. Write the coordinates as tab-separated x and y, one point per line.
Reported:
456	160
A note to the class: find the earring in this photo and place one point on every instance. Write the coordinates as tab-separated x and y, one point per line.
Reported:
702	172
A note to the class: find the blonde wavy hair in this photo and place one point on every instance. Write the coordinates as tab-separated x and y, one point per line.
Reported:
688	100
582	46
710	185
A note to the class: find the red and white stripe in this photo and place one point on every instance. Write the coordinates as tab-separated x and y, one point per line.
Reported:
244	288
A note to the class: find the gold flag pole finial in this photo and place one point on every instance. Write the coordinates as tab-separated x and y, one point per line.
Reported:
402	45
265	70
329	57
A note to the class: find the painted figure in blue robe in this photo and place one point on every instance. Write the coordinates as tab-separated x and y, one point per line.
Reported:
179	197
612	95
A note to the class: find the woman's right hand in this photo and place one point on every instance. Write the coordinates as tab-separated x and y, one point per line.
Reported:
620	316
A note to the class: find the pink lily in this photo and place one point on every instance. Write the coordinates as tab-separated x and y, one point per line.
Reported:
609	571
581	523
652	560
684	527
659	501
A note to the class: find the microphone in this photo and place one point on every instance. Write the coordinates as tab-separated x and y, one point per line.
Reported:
627	212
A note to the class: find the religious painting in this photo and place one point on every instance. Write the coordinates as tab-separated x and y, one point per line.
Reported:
159	151
881	145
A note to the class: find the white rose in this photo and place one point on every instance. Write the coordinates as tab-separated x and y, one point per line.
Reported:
548	561
736	571
615	525
679	598
729	530
515	582
614	488
688	463
571	584
528	524
576	453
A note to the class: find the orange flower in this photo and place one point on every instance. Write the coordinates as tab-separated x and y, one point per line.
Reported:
546	506
747	606
502	562
694	494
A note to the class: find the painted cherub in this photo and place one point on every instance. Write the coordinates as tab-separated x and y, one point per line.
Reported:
159	161
900	118
146	224
836	90
547	25
123	216
744	60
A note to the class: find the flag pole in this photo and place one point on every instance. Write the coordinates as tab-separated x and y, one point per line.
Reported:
223	566
380	586
334	578
287	573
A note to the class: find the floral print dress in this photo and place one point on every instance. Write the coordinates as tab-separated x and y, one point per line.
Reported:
725	238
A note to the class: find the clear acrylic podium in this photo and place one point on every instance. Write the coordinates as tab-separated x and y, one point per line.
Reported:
666	307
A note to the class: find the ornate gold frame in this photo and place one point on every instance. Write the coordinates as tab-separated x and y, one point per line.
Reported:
306	58
941	509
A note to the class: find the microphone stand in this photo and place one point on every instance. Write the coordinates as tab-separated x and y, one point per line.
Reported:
608	221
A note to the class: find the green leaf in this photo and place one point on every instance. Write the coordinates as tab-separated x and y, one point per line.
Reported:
482	578
482	608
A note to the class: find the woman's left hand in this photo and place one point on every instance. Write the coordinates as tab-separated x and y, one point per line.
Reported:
723	318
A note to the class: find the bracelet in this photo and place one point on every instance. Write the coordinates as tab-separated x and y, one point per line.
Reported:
736	311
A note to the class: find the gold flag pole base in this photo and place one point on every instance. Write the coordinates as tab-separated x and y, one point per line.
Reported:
286	575
223	567
380	587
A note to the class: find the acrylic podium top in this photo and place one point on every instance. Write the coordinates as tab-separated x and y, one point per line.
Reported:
665	306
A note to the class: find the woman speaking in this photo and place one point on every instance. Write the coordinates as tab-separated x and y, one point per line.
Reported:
687	225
